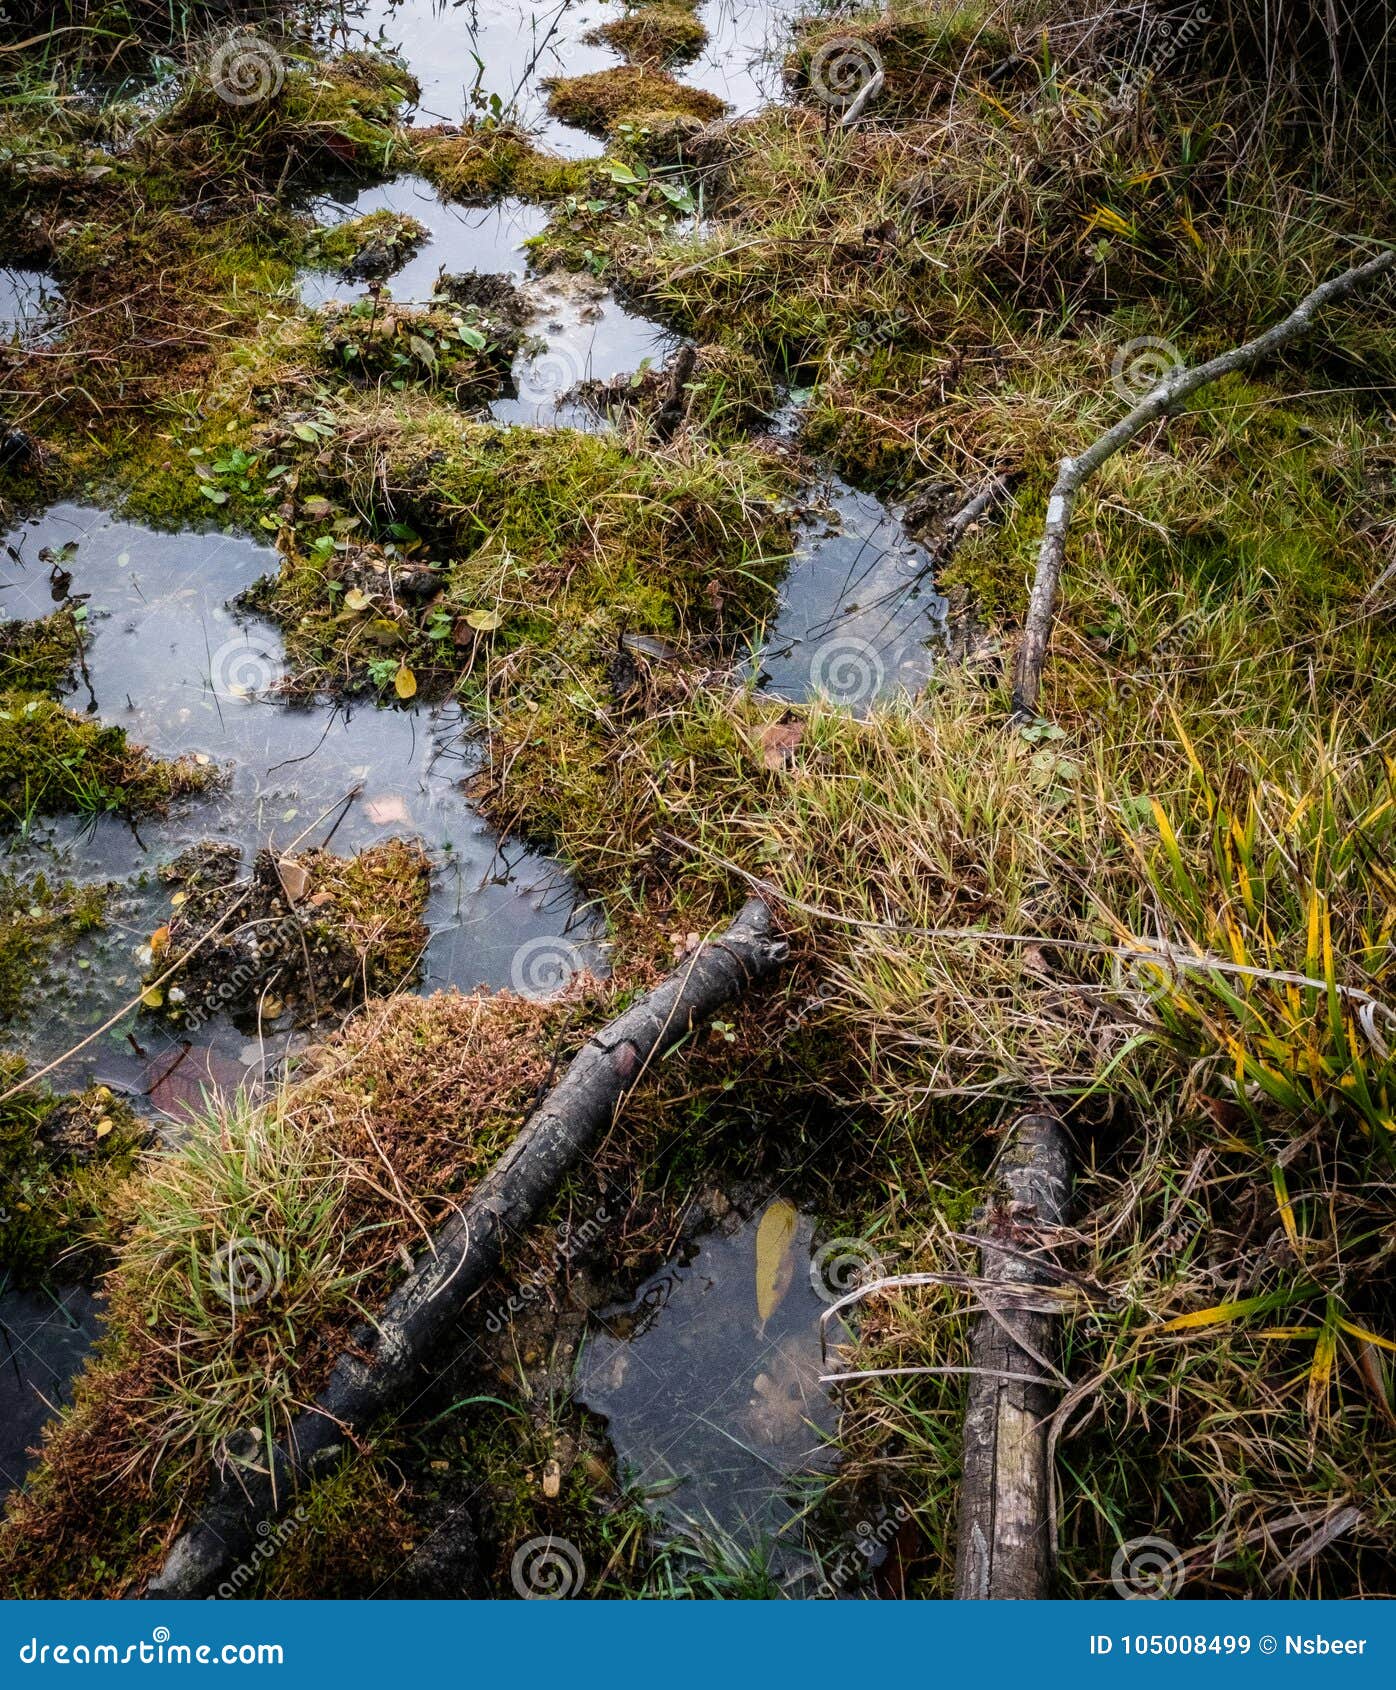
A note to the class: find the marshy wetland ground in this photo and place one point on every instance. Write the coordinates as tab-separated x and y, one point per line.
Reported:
487	487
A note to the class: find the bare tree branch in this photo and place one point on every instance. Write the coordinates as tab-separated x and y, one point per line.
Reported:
386	1361
1158	402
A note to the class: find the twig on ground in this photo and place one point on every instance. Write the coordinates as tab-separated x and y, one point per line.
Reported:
1073	473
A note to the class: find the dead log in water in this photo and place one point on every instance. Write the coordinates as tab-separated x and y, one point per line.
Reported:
386	1361
1005	1527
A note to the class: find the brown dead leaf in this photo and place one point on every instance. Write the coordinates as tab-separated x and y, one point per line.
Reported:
779	742
294	878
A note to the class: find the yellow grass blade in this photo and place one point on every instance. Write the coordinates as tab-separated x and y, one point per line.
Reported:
1218	1314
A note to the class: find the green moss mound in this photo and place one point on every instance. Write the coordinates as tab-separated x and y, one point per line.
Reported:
52	759
629	94
656	33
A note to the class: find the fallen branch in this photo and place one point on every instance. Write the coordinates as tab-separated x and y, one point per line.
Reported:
945	544
1073	473
1005	1535
1336	1524
865	97
385	1361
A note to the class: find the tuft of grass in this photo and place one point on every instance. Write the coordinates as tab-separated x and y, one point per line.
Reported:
40	657
661	33
1285	903
320	115
256	1246
924	52
487	160
462	352
370	246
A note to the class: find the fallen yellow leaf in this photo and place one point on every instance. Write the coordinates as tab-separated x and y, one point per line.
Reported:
775	1237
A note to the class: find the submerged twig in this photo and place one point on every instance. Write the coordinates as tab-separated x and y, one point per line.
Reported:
128	1006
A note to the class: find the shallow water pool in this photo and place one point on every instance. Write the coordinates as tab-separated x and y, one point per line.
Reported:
173	663
713	1408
